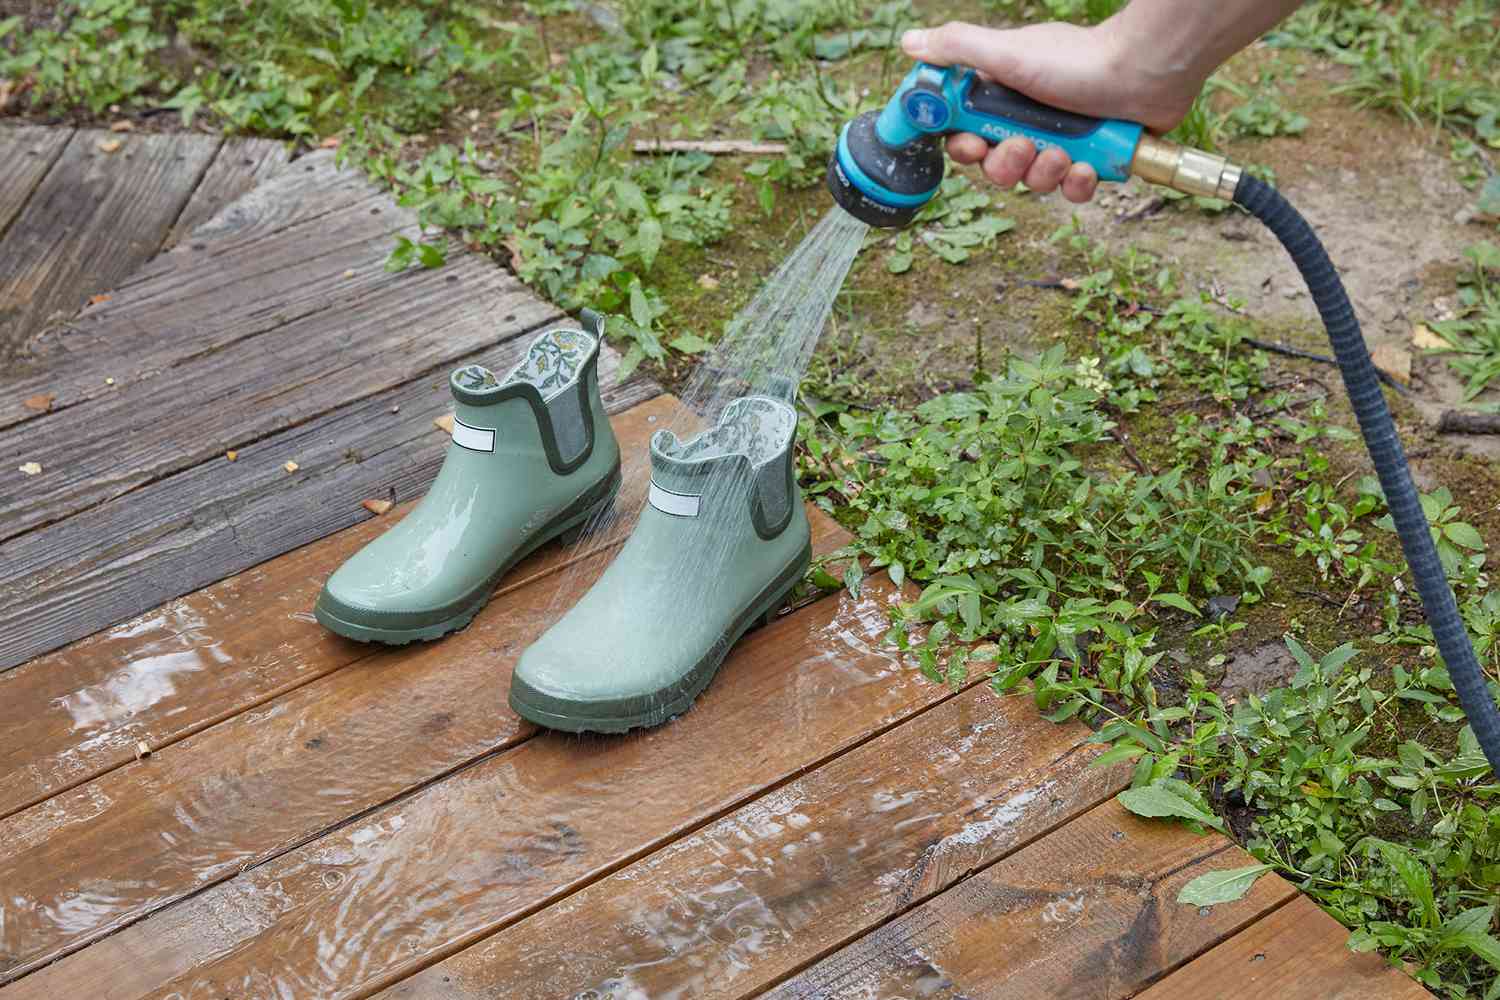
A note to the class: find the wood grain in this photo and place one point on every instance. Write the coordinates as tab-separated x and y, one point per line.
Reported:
401	887
178	669
94	218
737	906
240	165
245	271
406	326
1087	912
1295	953
28	152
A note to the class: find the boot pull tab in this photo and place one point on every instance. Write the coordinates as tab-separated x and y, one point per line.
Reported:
593	323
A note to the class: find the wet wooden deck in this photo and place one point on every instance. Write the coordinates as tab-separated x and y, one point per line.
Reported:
317	818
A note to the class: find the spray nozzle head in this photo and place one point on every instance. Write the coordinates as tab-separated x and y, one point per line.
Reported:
881	184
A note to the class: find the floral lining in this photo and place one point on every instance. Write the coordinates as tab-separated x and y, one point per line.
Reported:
758	427
552	363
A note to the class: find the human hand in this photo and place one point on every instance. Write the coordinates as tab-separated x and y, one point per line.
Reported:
1095	71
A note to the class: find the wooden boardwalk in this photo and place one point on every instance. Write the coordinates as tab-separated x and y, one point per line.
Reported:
317	818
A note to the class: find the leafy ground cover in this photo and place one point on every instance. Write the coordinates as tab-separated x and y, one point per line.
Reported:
1009	407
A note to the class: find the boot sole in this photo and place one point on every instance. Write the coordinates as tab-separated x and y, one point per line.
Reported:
567	528
666	703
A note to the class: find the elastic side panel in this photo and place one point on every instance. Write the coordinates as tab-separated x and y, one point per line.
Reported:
569	417
772	488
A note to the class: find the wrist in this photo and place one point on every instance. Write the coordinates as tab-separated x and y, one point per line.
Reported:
1158	61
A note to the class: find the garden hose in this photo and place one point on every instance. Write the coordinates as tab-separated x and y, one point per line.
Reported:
1362	383
888	165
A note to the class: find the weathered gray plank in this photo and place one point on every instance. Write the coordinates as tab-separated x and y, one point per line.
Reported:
239	166
94	218
367	331
28	153
229	282
71	579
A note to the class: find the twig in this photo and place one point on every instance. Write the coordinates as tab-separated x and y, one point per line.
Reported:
714	147
1467	422
1294	352
1135	459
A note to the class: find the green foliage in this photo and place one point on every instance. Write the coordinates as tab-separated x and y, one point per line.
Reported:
1474	337
282	67
1422	61
97	54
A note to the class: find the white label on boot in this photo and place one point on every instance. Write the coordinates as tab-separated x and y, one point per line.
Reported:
676	504
473	438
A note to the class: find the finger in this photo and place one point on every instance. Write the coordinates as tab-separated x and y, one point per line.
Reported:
966	147
1008	162
1047	170
1080	183
988	49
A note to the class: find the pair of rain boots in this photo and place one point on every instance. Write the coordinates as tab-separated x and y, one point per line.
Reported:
722	540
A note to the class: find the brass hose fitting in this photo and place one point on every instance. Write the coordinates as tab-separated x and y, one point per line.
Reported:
1187	170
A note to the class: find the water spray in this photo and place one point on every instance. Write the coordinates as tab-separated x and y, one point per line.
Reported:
888	164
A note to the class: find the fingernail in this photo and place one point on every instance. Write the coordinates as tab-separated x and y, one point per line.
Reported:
914	40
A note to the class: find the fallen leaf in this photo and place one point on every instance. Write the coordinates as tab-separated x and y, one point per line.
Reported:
1221	886
1394	361
445	423
290	466
123	125
41	402
332	142
1070	284
376	506
110	145
708	281
31	469
1424	339
514	246
109	381
97	300
231	455
1264	502
349	273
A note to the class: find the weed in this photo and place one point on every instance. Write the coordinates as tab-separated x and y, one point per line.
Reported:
1474	337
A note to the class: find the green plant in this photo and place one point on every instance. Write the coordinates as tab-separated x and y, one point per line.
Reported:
1475	336
98	55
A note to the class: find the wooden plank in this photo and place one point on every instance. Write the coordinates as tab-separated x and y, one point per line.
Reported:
741	904
404	327
226	284
28	152
178	669
247	790
398	888
1087	912
240	165
71	579
95	217
1296	953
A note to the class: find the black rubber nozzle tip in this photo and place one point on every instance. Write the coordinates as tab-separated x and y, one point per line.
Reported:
907	174
852	200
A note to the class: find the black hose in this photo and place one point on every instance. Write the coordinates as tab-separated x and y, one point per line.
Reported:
1363	385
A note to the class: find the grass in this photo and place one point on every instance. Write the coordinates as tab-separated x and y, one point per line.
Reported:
1025	492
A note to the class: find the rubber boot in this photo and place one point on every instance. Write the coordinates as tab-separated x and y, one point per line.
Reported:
533	458
721	542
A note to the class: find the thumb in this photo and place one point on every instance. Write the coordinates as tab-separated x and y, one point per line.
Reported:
992	51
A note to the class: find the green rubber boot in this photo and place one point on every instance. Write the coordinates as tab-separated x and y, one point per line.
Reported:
533	458
721	542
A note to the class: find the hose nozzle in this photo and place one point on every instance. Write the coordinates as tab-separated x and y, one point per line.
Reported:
1190	171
